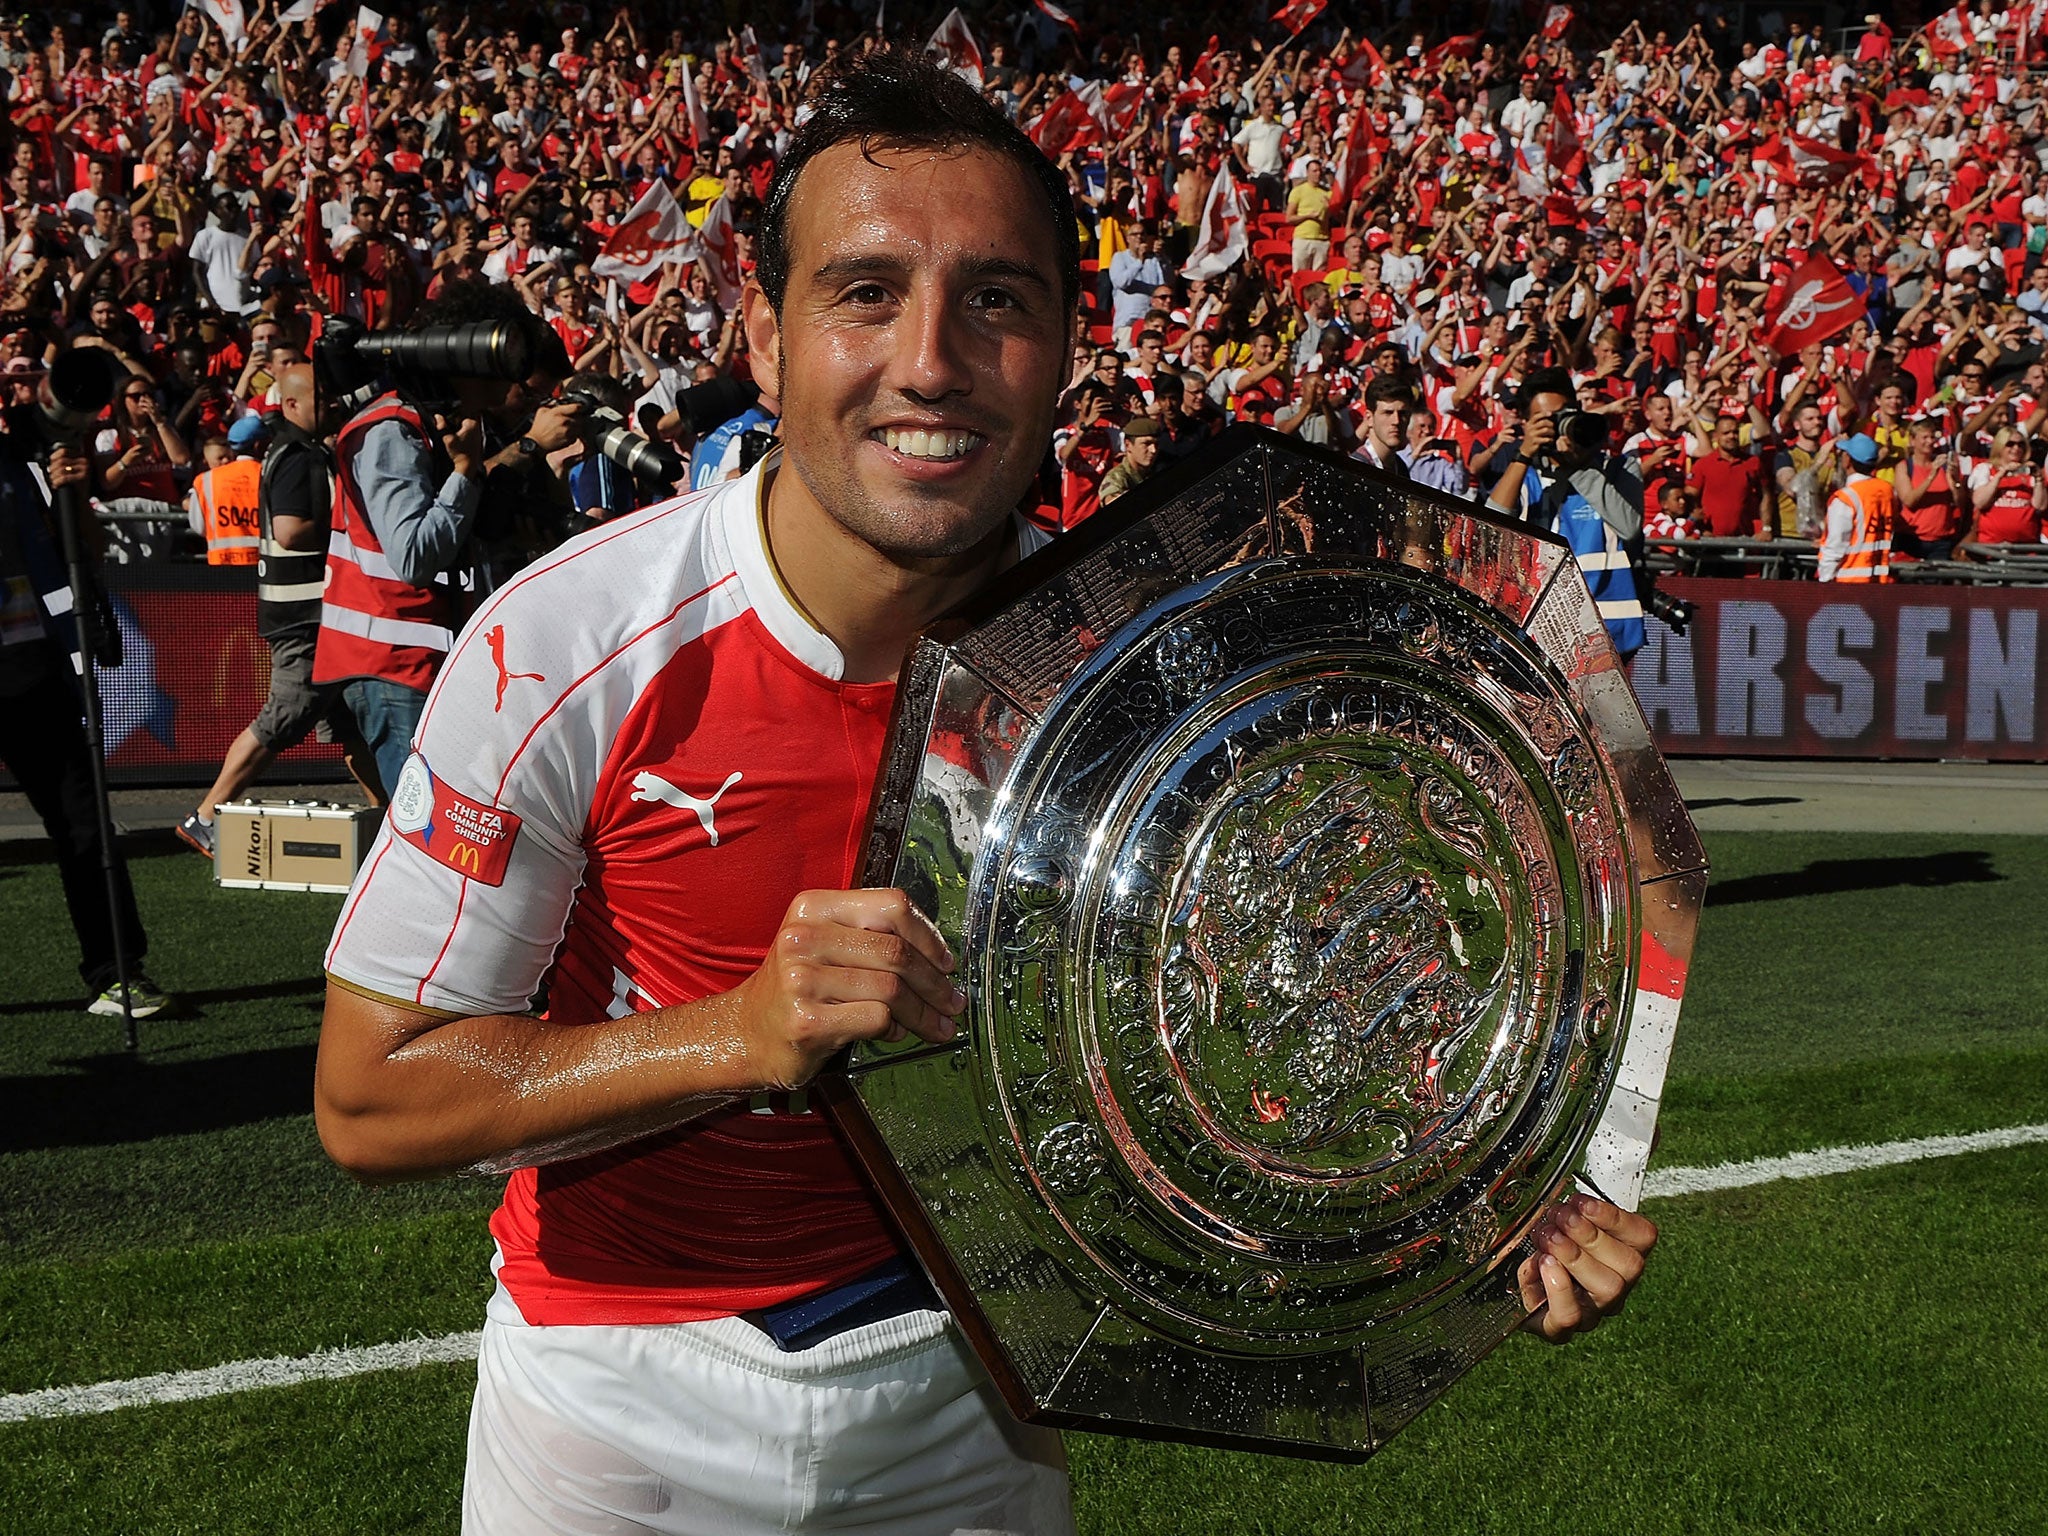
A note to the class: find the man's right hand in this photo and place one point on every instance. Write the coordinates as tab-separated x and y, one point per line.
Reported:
465	444
557	424
845	966
1539	436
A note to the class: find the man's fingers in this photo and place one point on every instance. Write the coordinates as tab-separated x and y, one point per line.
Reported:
1603	1284
884	911
907	1010
1566	1313
885	954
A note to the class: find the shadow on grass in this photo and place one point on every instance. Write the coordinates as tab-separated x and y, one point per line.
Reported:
1829	877
1747	802
309	987
135	843
119	1098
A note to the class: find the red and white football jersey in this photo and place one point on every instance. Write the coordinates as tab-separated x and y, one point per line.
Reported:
637	754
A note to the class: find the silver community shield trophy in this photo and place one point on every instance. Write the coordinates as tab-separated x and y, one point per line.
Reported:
1324	909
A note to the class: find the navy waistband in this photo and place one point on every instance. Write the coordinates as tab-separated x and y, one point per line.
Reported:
889	1290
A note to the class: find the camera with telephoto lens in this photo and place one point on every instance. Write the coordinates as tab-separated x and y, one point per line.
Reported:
353	365
606	431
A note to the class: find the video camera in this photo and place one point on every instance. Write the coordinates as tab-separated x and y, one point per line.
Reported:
353	365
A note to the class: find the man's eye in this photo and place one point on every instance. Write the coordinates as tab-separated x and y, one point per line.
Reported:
995	299
867	294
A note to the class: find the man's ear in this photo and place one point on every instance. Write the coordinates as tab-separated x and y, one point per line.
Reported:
764	332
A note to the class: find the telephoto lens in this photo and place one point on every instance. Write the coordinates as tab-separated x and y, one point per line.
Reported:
487	350
648	462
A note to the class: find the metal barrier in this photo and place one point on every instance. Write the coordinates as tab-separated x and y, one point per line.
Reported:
1772	559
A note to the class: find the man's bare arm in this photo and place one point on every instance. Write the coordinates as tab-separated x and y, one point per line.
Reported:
402	1092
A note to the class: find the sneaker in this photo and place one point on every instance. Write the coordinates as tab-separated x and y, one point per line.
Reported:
145	999
196	834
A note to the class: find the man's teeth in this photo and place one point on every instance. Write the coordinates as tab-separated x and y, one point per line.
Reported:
920	444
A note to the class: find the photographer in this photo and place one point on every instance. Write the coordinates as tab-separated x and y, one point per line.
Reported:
403	566
1560	477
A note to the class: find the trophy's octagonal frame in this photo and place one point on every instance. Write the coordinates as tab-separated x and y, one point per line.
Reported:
1149	1263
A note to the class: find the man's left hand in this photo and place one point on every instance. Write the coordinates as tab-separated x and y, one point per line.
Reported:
1589	1255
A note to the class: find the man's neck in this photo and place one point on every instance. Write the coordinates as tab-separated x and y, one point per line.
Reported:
870	605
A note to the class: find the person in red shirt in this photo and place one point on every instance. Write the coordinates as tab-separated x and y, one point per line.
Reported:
2008	493
1728	486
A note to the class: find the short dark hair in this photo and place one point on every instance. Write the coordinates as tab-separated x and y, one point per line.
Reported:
1547	381
897	99
1382	390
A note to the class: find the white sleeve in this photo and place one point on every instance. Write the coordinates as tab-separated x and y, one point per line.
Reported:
1835	545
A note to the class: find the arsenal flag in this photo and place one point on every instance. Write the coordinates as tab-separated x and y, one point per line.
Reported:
693	106
1119	107
1811	305
1557	21
956	48
653	233
1450	48
227	15
1294	15
720	249
1809	162
368	44
1220	243
1365	69
1565	151
1068	124
1057	15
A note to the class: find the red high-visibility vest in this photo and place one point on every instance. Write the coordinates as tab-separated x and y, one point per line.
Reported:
372	622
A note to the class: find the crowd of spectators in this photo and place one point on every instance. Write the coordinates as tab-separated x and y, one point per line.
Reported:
1421	221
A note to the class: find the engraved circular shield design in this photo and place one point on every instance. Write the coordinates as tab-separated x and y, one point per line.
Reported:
1297	943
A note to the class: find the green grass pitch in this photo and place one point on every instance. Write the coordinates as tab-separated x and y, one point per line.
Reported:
1858	1353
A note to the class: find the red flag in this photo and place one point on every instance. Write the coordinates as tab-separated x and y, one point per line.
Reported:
1068	124
693	107
1451	48
1566	152
654	233
1811	305
1365	69
956	47
1557	21
1347	167
1221	242
1121	104
1794	157
1057	15
1199	77
1295	15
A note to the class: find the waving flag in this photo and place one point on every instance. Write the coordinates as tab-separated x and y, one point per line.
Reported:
1813	304
1450	48
227	15
1793	157
693	108
1565	151
720	250
298	10
1295	15
369	43
1532	171
1070	123
654	233
1221	242
1120	106
956	48
1056	14
1365	69
1557	21
1200	77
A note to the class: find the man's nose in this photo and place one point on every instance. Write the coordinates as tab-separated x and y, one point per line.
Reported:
930	357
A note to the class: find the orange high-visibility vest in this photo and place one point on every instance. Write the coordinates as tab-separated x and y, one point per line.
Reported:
226	498
1870	542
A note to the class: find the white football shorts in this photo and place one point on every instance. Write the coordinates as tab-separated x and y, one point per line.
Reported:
710	1429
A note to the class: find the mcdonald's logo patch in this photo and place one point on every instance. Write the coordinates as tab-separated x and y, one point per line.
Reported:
471	838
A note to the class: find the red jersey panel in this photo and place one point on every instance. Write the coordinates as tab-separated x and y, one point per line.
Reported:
681	759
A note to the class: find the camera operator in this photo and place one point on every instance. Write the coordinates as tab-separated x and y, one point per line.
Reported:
1560	477
403	566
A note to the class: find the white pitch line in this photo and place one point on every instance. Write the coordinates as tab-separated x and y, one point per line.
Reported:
236	1376
1663	1183
333	1364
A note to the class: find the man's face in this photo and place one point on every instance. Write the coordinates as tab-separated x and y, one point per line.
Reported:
1109	367
1657	413
1806	422
1728	435
1262	349
1386	423
1143	452
923	301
